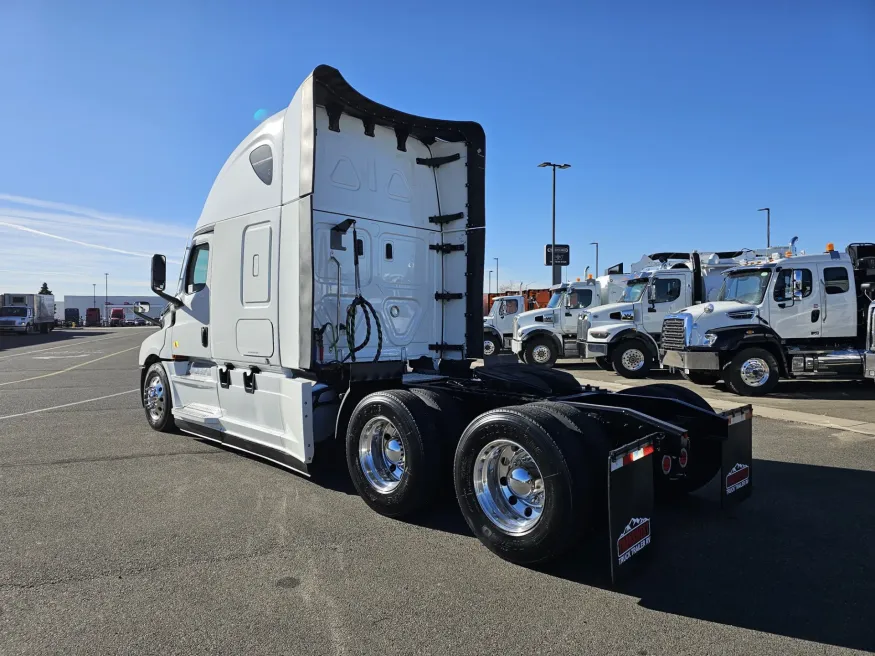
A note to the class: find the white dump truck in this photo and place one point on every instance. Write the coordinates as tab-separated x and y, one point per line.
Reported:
808	316
332	291
542	336
498	324
27	313
625	336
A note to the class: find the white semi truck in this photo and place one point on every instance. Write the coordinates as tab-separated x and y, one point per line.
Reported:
332	292
542	336
498	324
27	313
809	316
625	336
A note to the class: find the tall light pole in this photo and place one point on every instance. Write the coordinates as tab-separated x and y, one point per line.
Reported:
557	270
768	225
596	244
489	286
105	297
94	295
496	274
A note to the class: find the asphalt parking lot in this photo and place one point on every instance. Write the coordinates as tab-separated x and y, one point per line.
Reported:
118	539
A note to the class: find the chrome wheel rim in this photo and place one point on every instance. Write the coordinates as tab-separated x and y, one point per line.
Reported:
632	360
488	347
381	454
509	487
153	398
541	354
755	372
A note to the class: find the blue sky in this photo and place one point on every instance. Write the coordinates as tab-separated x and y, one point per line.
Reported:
679	118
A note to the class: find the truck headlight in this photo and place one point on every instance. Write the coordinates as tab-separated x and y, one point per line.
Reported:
598	335
709	339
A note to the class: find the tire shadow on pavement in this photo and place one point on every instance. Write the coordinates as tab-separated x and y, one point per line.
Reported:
797	559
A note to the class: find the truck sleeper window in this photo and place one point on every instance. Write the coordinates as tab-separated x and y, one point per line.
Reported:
196	276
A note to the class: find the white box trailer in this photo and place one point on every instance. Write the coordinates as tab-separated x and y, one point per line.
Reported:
332	290
27	313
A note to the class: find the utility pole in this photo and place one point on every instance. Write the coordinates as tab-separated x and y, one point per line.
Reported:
94	294
489	286
557	270
106	297
596	244
496	274
768	225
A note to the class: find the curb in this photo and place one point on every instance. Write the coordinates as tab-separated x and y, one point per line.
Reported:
824	421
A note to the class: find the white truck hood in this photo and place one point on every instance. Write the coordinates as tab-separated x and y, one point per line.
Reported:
528	318
602	313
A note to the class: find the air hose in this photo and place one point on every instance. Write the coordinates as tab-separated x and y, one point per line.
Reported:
367	308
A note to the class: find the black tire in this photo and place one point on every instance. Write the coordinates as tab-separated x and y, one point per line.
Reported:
565	479
415	425
162	420
452	417
734	372
704	455
706	378
493	340
534	346
630	347
604	363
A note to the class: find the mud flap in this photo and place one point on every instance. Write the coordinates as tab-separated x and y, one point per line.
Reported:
736	458
630	506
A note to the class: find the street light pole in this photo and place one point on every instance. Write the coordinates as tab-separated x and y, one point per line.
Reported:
557	269
105	297
768	225
596	244
496	274
94	294
489	286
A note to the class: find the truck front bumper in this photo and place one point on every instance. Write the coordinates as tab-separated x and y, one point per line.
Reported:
870	365
692	360
592	349
13	329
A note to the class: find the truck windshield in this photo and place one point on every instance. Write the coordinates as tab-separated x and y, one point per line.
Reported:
745	286
555	299
633	291
14	312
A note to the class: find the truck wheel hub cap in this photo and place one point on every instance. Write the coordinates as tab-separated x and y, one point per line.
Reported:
488	347
755	372
633	359
381	454
509	487
541	354
153	398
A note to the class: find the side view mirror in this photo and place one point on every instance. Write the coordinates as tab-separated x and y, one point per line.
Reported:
651	293
159	272
797	285
142	307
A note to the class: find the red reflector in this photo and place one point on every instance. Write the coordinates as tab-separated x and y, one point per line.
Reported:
647	450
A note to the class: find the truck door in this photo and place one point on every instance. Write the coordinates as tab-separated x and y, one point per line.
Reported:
575	301
838	300
507	310
798	318
193	378
667	298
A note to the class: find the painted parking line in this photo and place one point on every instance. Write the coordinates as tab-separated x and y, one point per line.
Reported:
75	366
67	405
64	345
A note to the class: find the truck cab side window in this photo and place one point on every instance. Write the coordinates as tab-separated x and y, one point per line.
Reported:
512	306
784	285
196	274
667	289
835	280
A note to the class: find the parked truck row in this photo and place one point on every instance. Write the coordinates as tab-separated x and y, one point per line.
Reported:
332	292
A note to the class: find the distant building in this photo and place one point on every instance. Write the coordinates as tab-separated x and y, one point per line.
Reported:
106	304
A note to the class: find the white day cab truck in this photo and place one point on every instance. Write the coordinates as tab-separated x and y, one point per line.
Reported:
542	336
27	313
498	324
625	336
332	292
801	317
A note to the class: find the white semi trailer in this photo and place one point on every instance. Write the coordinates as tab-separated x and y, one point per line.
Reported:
332	291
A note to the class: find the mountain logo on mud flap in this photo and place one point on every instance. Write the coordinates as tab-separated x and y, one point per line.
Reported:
633	539
737	478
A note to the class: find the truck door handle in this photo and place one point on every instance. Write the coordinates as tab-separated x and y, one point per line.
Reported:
205	336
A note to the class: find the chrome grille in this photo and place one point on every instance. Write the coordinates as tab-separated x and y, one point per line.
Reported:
673	334
582	327
7	322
